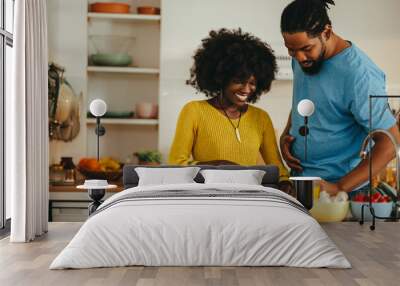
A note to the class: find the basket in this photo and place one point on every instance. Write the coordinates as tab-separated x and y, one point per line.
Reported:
101	175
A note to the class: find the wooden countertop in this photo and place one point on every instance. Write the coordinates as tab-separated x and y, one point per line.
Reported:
73	189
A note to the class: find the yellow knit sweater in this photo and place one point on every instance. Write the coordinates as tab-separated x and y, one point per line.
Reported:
205	134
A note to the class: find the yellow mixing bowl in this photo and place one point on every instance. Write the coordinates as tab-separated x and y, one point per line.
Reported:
330	212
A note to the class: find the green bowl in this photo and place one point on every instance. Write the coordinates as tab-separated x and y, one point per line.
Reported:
115	60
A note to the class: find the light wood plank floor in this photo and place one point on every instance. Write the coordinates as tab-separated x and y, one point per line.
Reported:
375	257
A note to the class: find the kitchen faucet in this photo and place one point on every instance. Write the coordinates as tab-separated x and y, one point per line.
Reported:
364	153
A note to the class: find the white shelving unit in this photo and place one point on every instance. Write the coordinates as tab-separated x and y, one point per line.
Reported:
123	70
129	121
122	88
130	17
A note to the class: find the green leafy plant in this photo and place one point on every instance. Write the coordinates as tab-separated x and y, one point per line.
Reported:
148	156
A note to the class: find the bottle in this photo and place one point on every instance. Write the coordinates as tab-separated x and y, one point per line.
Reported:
69	170
391	173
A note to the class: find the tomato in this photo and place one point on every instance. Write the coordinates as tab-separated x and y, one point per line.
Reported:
382	199
359	198
375	197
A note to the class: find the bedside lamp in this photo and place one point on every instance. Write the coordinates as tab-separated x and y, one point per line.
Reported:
97	188
98	108
304	186
305	108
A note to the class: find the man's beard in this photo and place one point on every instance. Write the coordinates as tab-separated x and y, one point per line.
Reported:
316	65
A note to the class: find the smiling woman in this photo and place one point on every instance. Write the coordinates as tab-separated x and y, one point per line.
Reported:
233	69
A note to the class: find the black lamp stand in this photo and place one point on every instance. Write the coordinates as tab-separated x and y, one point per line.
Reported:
97	194
304	131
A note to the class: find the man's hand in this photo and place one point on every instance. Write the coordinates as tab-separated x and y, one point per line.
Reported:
285	144
331	188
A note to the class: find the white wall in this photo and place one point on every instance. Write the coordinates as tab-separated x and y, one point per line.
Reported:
67	47
372	25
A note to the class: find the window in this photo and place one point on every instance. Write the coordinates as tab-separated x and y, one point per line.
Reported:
6	64
9	15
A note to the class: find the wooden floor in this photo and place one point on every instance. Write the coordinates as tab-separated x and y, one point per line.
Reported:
375	257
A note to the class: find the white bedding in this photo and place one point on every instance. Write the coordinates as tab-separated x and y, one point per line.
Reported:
185	231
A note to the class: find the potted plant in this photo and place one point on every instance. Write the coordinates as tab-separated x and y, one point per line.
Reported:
148	157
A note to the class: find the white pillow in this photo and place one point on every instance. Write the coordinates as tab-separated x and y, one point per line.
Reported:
248	177
166	176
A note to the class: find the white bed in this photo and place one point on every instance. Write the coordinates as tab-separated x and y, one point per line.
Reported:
249	226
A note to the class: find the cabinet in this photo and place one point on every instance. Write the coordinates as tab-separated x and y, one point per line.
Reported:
67	203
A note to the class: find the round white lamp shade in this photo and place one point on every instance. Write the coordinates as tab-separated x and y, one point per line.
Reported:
98	107
305	107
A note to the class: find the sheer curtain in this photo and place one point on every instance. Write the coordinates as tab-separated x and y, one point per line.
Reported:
27	124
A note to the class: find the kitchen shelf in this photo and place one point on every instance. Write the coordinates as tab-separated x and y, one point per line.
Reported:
123	70
131	17
130	121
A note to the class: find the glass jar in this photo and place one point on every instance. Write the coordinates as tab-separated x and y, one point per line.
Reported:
56	174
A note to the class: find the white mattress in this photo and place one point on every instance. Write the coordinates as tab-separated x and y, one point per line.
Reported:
203	231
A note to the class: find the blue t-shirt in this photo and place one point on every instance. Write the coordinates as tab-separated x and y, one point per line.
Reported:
340	123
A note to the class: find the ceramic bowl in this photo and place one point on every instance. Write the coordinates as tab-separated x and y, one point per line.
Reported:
381	210
330	212
147	10
111	59
109	7
146	110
